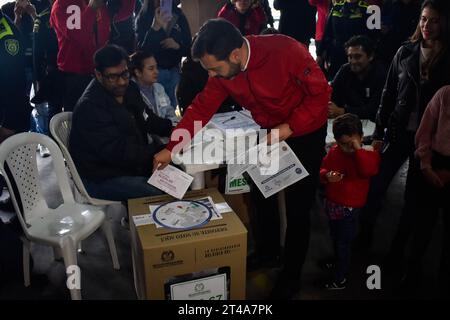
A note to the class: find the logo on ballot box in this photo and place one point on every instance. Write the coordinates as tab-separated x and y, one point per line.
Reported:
167	256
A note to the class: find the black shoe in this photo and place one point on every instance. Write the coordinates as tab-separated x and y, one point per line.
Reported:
336	285
327	264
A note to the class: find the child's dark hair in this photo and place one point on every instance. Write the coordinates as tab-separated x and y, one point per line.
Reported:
347	124
137	60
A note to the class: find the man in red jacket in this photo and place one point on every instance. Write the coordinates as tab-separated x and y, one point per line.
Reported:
277	80
82	27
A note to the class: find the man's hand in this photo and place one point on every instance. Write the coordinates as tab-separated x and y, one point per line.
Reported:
169	43
284	132
432	178
334	176
31	10
334	110
161	159
19	9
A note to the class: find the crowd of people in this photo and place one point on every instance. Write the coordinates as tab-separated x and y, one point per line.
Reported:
125	67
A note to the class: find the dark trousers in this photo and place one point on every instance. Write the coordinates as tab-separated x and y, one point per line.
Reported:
391	161
300	198
75	84
343	232
430	201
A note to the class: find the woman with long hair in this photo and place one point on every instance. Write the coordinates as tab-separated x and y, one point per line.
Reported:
168	37
419	69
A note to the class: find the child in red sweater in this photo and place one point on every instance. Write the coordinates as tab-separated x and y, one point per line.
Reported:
346	171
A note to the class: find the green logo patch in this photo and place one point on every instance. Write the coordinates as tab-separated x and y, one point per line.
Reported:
12	46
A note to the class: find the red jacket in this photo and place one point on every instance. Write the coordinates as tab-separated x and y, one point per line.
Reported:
282	84
322	14
77	46
357	167
254	23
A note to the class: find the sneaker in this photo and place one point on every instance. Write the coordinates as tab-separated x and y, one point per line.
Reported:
327	264
335	285
43	151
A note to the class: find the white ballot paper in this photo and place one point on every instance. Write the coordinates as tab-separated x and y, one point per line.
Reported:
233	120
171	180
290	170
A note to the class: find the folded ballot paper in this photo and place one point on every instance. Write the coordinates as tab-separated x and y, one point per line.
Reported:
171	180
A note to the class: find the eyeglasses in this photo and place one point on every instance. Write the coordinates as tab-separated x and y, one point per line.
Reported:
114	77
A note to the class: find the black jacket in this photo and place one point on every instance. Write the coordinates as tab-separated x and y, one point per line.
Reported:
404	92
109	140
297	19
400	20
150	39
360	97
14	105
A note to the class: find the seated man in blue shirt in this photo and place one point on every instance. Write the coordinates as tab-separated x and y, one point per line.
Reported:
358	84
108	140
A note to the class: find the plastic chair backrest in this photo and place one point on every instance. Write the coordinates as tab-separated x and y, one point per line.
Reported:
60	126
18	163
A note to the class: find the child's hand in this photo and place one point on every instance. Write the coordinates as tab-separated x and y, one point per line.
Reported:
334	176
356	144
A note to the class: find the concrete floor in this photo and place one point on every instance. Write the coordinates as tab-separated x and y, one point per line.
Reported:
100	281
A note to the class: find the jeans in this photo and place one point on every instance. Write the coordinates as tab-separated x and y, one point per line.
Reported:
169	79
121	188
343	232
40	118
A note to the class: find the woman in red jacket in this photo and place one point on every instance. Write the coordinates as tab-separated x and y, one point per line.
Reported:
323	7
246	15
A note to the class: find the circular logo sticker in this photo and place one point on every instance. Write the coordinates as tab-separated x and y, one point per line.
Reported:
182	214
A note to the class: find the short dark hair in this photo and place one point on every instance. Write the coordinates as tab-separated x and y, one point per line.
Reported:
217	37
347	124
137	60
364	42
109	56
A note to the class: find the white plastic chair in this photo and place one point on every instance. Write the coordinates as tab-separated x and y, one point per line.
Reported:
63	227
60	126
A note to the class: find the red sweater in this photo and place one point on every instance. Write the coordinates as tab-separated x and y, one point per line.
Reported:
322	14
357	167
77	46
282	84
254	22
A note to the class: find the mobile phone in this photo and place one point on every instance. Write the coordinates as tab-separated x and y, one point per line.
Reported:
166	7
